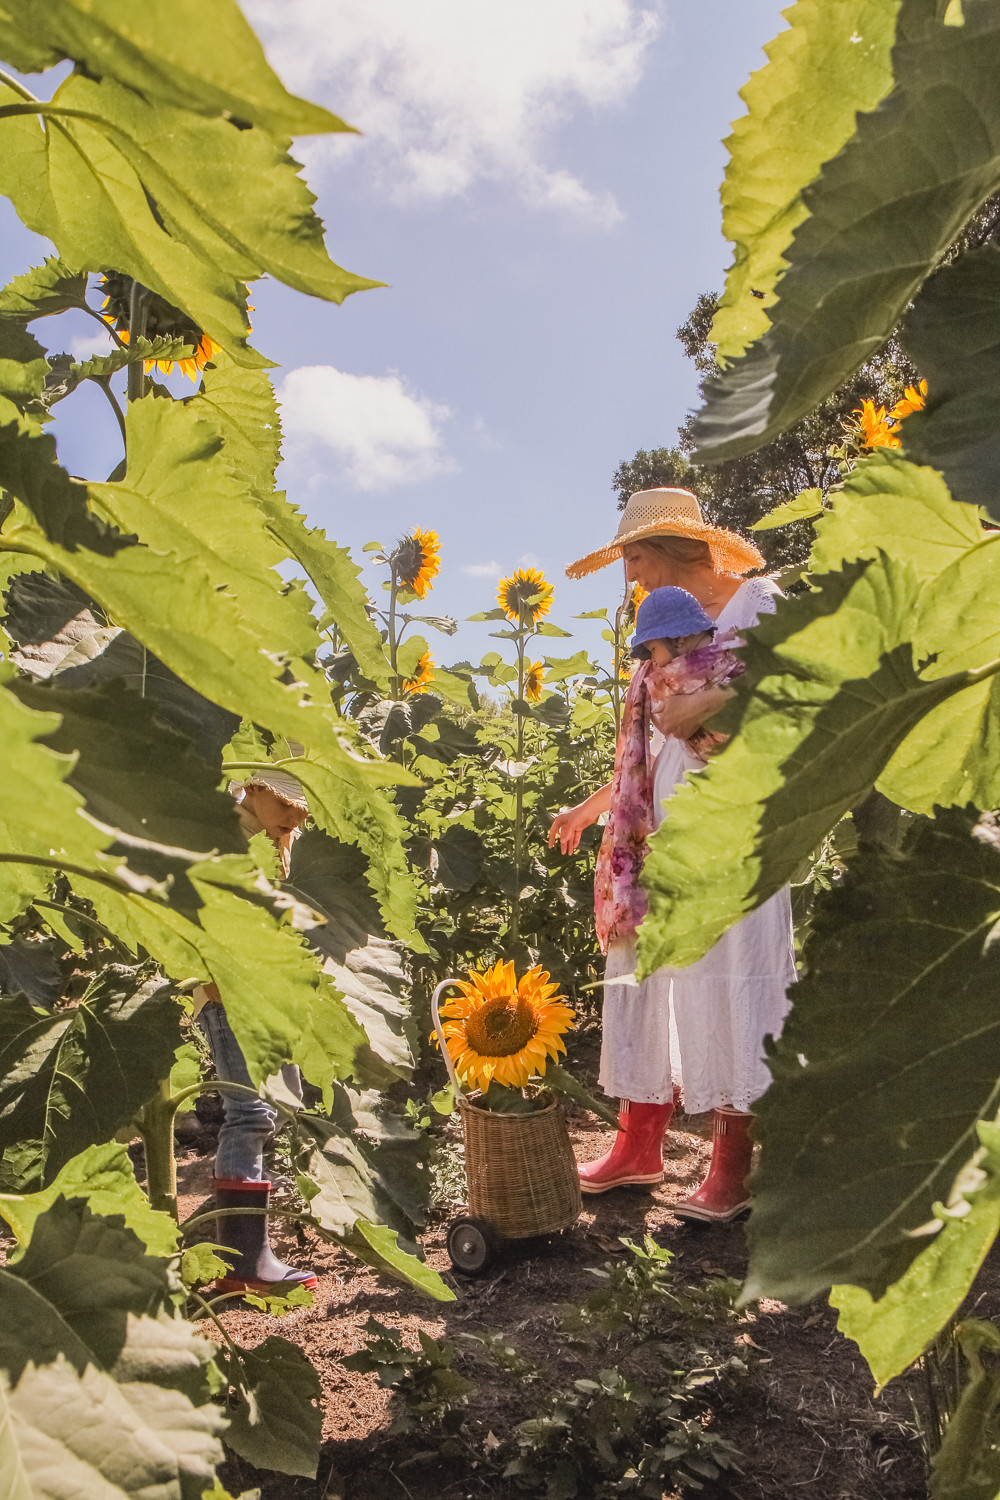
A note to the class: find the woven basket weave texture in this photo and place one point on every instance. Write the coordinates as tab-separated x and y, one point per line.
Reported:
521	1170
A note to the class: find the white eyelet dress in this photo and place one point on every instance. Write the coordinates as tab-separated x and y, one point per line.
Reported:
703	1027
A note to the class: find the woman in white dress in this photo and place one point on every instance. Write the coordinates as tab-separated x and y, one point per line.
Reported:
697	1031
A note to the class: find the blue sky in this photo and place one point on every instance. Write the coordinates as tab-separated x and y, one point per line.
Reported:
538	184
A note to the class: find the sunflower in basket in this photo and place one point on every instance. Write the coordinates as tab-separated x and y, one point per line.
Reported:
504	1030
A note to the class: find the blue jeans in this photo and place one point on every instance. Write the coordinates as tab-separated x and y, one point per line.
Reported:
248	1122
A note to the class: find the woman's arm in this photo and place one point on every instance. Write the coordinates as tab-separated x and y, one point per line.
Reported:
682	713
568	825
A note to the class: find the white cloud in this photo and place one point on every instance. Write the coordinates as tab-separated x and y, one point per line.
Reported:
451	92
87	344
381	433
482	570
529	560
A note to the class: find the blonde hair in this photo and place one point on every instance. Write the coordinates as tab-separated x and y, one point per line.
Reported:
689	552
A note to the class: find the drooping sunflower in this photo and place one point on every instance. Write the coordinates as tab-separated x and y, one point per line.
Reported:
192	367
162	321
504	1030
422	677
417	561
875	429
533	680
913	399
525	595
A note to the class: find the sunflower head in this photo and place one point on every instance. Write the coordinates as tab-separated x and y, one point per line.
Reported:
416	561
874	427
913	399
533	673
502	1029
162	321
422	677
525	596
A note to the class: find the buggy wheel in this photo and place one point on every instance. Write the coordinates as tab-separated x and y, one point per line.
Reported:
472	1246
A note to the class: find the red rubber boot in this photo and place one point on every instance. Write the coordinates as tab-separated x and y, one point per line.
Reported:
723	1195
636	1155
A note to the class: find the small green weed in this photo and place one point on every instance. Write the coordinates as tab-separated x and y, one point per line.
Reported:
430	1389
640	1424
641	1297
617	1435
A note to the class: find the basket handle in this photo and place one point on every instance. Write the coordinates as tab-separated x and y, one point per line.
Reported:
435	1012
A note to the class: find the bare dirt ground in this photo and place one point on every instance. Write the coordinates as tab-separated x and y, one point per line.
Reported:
804	1416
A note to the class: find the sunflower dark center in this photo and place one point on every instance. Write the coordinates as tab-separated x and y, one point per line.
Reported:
501	1027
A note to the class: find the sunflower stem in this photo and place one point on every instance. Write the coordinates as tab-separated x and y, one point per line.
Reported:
393	644
138	298
515	910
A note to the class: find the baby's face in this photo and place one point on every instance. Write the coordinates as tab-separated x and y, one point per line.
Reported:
660	653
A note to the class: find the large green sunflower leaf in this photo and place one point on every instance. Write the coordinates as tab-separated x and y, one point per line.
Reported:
890	505
186	53
337	579
61	636
830	691
894	1331
46	289
71	1078
103	1177
954	758
23	365
72	1290
190	207
277	1423
63	1433
833	60
39	813
378	1245
30	966
953	334
890	1055
173	605
365	968
183	496
177	607
882	213
329	876
220	921
241	404
133	773
370	1170
363	816
951	757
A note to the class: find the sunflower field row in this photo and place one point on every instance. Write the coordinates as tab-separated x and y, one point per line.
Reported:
494	750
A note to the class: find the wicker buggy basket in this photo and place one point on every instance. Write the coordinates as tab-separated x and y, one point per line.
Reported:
521	1172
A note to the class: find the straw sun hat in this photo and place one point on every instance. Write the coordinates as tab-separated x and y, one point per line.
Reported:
666	512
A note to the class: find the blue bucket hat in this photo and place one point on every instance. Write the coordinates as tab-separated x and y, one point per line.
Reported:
666	614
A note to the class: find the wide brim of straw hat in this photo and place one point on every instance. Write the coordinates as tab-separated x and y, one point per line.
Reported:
280	783
672	513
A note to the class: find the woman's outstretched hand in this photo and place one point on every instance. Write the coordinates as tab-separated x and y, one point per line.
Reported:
568	825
